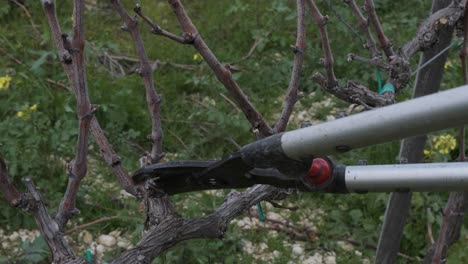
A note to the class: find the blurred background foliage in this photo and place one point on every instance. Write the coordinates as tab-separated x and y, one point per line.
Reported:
38	121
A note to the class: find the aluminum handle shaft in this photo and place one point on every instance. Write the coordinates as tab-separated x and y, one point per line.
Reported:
407	177
410	118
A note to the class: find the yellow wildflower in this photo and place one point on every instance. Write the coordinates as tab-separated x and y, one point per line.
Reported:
33	107
448	64
197	57
5	82
429	154
445	144
20	114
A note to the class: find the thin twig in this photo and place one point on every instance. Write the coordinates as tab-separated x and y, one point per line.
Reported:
178	139
376	62
252	49
343	21
234	143
156	29
298	50
370	246
13	58
95	222
303	234
280	206
293	231
429	227
190	67
28	14
230	102
59	84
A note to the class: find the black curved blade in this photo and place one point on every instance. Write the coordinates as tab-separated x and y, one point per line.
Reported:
231	172
174	170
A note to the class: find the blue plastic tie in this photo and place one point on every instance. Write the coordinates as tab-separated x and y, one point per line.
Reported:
388	87
260	213
89	256
379	78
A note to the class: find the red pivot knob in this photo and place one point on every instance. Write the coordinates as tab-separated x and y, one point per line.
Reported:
320	171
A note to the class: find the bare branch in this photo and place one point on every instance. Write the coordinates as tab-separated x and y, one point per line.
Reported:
364	25
64	55
85	112
160	236
399	70
385	43
298	50
152	98
156	29
32	202
454	213
398	64
463	53
61	251
355	93
327	61
112	159
66	58
221	71
464	50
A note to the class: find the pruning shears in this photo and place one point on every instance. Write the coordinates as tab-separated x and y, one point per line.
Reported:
298	159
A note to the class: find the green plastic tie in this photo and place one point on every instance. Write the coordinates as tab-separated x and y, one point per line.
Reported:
379	78
388	87
89	256
260	213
